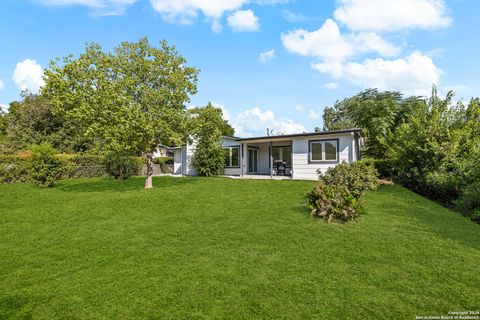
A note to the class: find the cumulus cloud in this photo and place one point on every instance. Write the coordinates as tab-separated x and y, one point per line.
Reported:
387	15
3	107
2	84
267	55
243	20
413	74
329	44
99	7
28	75
255	121
187	11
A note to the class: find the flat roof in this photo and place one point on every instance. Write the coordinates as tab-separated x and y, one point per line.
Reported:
307	134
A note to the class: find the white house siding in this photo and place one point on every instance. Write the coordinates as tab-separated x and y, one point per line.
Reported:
230	142
177	161
187	159
302	169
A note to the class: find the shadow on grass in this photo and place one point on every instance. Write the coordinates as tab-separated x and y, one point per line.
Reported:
440	221
112	185
15	307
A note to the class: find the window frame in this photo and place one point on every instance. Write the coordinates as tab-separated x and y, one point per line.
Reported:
323	142
230	156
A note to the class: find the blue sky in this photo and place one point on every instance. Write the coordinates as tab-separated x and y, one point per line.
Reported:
267	63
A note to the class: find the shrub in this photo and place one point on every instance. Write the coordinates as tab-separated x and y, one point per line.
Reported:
469	201
441	186
332	203
15	168
163	160
46	167
209	159
356	178
121	166
165	164
385	167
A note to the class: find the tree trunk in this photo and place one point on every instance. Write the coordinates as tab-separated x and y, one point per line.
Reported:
148	181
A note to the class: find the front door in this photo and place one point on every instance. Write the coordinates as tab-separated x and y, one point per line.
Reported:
252	160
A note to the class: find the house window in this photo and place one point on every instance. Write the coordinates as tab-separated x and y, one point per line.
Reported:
232	157
323	150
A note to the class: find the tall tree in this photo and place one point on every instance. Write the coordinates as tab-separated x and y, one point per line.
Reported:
378	113
208	127
32	121
131	99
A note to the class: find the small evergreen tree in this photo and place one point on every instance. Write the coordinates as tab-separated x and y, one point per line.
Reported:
208	128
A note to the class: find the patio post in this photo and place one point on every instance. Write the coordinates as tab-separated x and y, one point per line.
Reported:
271	160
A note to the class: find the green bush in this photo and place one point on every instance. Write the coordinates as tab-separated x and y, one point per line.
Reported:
46	167
15	168
441	186
385	167
209	159
469	201
165	164
163	160
121	166
356	178
332	203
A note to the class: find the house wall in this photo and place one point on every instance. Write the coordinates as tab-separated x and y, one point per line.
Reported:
187	160
302	169
177	162
229	142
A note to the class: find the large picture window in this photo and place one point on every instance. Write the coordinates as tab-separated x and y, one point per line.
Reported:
232	157
323	150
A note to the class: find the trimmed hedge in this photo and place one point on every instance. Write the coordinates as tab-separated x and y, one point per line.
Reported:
18	168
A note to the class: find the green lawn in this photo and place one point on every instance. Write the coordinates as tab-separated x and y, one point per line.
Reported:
225	248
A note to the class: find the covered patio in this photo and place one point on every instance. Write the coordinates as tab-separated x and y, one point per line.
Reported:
266	159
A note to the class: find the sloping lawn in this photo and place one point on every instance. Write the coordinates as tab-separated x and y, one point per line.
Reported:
225	248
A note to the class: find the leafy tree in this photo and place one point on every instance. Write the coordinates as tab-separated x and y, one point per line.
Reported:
428	149
32	121
378	113
208	128
131	100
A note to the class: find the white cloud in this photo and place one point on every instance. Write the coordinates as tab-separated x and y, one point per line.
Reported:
3	107
313	115
28	75
243	20
254	122
267	55
331	85
100	7
187	11
299	108
2	84
391	15
415	74
329	44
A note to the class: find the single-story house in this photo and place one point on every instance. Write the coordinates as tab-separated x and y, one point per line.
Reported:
296	156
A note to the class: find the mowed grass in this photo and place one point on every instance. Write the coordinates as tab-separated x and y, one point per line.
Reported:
195	248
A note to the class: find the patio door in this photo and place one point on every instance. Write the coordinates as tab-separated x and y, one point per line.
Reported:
252	161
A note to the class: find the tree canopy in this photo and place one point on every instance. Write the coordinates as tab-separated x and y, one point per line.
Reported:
131	99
